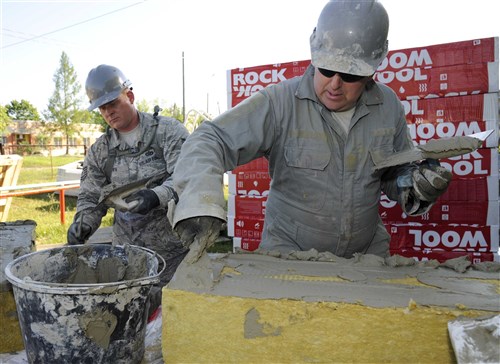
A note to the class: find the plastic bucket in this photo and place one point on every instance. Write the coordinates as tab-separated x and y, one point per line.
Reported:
18	238
84	303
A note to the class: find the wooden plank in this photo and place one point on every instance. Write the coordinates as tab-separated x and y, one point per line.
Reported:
10	168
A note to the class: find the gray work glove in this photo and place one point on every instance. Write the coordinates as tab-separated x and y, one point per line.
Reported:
421	187
430	181
205	229
143	201
78	232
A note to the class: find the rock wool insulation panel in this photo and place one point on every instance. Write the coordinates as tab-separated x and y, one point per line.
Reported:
255	308
11	338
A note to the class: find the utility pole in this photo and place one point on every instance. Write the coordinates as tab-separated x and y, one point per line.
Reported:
183	92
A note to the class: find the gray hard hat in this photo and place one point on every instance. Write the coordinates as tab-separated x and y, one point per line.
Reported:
104	84
350	37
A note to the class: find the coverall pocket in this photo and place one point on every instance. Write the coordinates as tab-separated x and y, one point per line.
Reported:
380	154
309	237
306	176
279	234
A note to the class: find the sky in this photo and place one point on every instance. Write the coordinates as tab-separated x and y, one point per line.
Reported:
179	51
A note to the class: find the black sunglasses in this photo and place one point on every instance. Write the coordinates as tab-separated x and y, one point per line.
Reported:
346	77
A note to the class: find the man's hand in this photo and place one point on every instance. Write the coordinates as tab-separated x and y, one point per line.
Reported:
204	228
430	181
143	201
421	187
198	234
78	232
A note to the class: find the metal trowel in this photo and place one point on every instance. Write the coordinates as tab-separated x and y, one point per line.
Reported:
436	149
114	196
196	269
475	340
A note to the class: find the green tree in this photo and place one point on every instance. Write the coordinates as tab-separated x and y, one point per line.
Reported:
63	106
95	117
22	110
90	117
42	138
98	119
4	119
173	111
143	106
194	118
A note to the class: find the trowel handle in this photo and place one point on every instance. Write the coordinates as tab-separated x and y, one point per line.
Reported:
80	222
79	227
431	162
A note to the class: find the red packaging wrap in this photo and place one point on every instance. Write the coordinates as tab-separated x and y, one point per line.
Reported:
481	50
250	183
465	79
442	255
245	243
446	212
245	226
238	205
479	107
481	239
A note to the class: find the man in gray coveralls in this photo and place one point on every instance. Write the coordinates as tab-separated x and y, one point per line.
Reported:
322	134
136	146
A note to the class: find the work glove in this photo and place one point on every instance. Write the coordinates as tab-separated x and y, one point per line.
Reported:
78	232
142	201
421	187
205	229
430	180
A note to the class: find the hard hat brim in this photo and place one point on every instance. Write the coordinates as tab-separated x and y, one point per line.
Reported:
112	96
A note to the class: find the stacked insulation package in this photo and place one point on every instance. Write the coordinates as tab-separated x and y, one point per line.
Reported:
447	90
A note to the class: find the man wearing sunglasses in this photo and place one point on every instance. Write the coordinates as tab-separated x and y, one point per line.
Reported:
322	134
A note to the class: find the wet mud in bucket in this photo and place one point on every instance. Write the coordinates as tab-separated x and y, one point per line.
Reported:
84	303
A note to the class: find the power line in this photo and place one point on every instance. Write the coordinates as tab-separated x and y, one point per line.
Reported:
24	36
73	25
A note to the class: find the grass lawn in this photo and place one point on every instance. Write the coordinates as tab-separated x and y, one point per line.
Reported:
40	169
44	208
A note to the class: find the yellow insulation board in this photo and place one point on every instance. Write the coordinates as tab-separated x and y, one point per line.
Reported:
202	328
258	309
11	339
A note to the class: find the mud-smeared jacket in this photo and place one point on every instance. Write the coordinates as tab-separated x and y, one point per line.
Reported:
166	136
324	192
